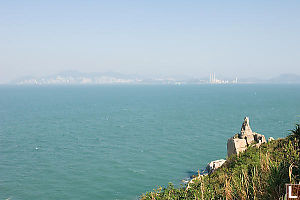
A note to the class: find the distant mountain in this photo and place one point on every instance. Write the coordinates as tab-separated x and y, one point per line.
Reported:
79	78
251	80
281	79
285	78
76	74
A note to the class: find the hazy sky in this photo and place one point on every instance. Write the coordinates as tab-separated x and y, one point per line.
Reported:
154	37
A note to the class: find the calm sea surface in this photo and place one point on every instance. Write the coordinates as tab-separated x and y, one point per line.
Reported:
117	142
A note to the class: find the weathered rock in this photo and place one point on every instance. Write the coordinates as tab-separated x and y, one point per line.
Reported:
245	130
270	139
259	138
241	141
235	146
212	166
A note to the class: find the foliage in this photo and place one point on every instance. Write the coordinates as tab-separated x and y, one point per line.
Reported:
257	173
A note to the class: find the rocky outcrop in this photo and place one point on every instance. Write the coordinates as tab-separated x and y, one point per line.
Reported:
241	141
236	144
212	166
270	139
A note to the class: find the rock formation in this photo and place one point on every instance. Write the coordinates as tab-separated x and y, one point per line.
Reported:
241	141
236	144
270	139
212	166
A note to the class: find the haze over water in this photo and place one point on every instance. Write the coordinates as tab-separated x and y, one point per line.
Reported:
117	142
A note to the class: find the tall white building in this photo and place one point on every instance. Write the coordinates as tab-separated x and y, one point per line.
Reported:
214	80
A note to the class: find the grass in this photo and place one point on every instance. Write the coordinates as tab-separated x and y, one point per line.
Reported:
257	173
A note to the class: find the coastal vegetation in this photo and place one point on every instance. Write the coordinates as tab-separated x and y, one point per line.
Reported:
257	173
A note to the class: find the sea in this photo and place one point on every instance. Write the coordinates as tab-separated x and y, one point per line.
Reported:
120	141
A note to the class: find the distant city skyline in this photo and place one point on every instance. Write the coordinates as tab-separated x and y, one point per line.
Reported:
79	78
241	39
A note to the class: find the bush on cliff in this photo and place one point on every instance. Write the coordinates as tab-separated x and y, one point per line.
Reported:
257	173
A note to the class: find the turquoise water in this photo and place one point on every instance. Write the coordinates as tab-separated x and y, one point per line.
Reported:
117	142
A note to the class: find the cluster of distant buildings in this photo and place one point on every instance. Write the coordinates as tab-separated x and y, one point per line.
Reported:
214	80
76	80
84	79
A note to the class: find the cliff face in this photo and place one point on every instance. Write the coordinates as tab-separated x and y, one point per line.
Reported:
245	138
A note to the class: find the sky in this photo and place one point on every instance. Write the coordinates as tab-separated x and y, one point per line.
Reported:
257	38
